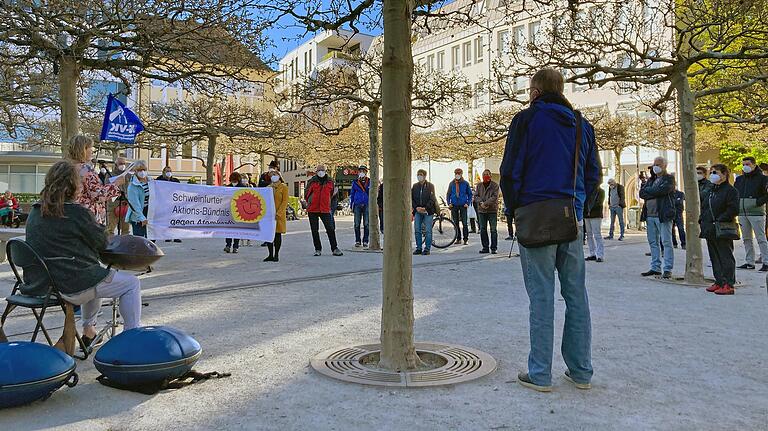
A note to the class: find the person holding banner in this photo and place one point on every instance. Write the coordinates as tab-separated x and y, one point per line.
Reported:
232	244
138	199
94	194
318	196
280	192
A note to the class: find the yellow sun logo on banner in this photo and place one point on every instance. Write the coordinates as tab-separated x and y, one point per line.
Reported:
247	206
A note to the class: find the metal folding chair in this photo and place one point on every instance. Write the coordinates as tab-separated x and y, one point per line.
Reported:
35	289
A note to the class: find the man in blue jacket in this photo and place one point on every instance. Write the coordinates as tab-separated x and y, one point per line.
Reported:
538	165
459	198
659	214
358	200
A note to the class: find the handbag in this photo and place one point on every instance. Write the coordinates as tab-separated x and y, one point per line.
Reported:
552	221
724	229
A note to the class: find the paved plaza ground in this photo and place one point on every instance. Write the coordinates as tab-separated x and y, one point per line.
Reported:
666	357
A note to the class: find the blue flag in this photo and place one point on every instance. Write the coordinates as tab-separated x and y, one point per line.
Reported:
120	123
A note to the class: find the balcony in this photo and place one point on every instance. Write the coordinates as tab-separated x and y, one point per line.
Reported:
336	59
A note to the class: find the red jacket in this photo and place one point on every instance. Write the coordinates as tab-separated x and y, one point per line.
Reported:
4	203
318	195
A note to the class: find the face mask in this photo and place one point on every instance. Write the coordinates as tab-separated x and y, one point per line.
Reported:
486	178
420	177
714	178
361	175
458	177
168	174
699	177
141	174
275	178
321	174
746	169
657	169
121	167
103	171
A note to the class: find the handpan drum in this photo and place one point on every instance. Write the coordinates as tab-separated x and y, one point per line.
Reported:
130	252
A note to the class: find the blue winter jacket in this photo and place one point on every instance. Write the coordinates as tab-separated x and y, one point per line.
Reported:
464	197
539	156
136	198
360	192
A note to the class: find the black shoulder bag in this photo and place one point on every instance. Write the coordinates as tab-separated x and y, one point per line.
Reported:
724	229
552	221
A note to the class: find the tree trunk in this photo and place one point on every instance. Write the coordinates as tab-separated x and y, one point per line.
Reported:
693	253
397	346
69	75
373	207
617	156
210	160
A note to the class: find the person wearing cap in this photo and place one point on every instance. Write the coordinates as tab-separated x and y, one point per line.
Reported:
358	200
265	180
459	198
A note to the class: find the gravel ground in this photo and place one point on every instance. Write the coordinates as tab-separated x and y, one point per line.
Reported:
666	357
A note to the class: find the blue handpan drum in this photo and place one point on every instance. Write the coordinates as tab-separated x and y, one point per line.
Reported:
147	354
32	371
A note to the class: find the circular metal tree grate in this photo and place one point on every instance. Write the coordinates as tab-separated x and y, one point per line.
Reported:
451	364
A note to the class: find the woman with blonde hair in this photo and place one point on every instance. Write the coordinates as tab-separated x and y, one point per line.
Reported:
70	241
280	192
94	194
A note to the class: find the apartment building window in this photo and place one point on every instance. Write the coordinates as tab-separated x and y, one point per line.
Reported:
478	95
467	53
456	60
502	40
479	48
518	33
521	84
577	86
310	59
305	62
430	62
534	29
441	61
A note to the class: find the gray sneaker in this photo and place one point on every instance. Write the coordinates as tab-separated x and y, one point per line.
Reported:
318	253
338	252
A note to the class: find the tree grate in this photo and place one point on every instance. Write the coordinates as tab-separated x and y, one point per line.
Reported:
455	364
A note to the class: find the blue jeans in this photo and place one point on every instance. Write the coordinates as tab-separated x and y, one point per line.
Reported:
617	212
138	229
659	234
539	266
361	212
422	220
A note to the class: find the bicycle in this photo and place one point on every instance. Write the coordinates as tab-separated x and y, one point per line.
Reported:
444	230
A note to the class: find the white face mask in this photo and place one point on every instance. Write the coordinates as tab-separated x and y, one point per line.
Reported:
103	171
168	174
420	177
458	177
275	178
321	174
657	169
714	178
361	175
699	177
121	167
746	169
141	174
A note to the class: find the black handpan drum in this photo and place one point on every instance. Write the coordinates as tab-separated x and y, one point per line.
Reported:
130	252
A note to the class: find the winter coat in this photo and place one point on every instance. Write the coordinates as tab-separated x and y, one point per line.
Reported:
280	191
359	195
487	194
318	195
721	204
539	156
11	203
753	193
704	188
136	198
380	197
662	189
679	202
595	204
459	193
70	246
622	197
163	178
423	195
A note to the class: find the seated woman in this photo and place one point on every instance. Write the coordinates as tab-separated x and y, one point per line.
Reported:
69	239
8	206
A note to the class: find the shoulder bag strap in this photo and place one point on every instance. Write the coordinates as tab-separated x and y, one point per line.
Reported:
577	154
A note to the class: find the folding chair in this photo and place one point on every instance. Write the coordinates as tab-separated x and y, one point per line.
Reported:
34	289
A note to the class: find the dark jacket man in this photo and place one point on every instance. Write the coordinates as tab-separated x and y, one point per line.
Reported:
423	195
530	174
704	188
487	194
679	202
753	193
595	204
660	188
622	201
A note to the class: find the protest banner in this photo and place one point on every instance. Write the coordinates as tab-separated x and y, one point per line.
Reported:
178	211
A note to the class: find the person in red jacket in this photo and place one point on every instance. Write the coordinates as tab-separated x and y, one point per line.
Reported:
8	206
318	196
